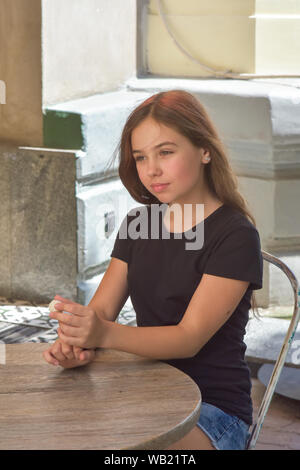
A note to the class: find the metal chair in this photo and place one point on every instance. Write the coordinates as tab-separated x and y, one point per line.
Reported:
257	425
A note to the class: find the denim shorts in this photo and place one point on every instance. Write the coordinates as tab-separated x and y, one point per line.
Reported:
226	432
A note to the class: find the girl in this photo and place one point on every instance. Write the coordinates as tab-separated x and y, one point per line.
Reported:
191	305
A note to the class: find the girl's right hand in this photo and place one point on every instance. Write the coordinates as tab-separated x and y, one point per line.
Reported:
61	354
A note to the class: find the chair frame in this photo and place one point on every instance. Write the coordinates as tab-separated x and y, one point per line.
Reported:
257	425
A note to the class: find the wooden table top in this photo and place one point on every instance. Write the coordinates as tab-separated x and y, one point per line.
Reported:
119	401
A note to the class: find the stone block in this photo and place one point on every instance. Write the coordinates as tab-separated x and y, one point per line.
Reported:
258	121
101	209
264	339
5	225
43	225
93	124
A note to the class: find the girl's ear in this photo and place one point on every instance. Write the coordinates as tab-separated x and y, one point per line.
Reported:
205	155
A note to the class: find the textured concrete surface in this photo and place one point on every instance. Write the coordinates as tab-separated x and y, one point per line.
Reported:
94	203
5	225
39	242
264	339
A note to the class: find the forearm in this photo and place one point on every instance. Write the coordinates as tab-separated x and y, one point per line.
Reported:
156	342
98	310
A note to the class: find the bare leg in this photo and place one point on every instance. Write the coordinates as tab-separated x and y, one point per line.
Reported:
196	439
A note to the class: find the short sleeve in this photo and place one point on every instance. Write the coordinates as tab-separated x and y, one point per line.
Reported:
126	235
122	245
238	256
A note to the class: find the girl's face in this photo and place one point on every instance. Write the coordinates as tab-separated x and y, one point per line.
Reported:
164	156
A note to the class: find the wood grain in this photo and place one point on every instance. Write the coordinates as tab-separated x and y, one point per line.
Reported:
119	401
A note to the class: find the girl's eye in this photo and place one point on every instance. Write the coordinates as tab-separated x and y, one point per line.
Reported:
162	152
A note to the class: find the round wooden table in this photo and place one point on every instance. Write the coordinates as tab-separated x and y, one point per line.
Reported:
119	401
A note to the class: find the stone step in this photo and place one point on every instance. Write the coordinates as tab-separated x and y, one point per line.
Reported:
288	384
264	339
92	124
100	211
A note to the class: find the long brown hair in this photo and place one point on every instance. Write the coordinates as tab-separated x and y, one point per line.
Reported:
184	113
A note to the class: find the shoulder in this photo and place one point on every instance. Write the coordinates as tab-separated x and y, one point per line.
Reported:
236	227
237	220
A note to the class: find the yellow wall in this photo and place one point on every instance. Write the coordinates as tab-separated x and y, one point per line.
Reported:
241	36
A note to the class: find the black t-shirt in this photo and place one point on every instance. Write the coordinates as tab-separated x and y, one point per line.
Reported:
163	276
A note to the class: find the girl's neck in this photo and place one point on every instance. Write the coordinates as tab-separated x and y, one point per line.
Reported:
180	218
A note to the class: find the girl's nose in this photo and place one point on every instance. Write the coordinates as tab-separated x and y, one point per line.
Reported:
153	169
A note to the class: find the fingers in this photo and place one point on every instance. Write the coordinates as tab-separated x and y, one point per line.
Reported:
88	354
75	309
67	340
49	358
83	354
63	299
53	355
78	353
70	332
58	353
66	319
67	351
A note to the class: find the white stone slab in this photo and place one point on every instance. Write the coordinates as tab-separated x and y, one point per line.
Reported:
264	339
103	117
93	202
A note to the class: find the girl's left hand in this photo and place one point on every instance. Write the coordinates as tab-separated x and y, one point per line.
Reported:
83	328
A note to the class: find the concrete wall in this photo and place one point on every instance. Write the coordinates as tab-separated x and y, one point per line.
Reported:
38	229
88	47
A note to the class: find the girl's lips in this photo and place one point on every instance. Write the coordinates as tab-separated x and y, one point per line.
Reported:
159	187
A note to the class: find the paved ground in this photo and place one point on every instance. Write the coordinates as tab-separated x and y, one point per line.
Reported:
281	428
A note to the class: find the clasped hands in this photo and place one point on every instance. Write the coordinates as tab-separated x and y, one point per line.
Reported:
83	328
